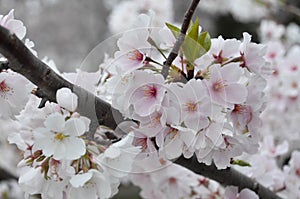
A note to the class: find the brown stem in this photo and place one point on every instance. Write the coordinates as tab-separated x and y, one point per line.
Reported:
185	25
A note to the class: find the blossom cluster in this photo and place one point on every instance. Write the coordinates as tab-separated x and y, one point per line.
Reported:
209	106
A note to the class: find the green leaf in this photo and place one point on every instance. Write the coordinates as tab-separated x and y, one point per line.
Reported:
204	40
241	163
194	30
175	30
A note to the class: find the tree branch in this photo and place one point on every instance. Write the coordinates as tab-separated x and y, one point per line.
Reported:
185	25
22	61
227	176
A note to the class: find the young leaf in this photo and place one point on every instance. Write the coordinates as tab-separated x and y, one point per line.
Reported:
175	30
204	40
241	163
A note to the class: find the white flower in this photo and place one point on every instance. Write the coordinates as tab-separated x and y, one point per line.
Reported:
91	185
60	138
14	93
16	26
119	157
66	99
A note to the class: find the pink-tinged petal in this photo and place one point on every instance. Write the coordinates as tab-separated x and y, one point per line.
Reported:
55	122
222	159
247	194
75	127
196	122
231	192
145	107
173	148
214	133
232	72
235	93
215	73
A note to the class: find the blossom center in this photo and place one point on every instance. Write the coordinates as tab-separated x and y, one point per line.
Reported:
150	91
60	136
191	107
136	55
4	89
219	85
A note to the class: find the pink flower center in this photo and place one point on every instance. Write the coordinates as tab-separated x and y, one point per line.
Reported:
141	142
150	91
294	68
297	171
191	107
219	85
172	180
136	55
5	89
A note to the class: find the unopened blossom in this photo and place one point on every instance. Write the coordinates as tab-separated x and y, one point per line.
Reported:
66	99
60	138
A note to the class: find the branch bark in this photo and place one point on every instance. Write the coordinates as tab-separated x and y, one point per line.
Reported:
185	25
227	176
22	61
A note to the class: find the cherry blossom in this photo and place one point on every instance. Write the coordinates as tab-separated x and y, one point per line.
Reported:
16	26
60	138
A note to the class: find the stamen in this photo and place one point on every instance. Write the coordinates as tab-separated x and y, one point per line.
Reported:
136	55
150	91
219	85
5	89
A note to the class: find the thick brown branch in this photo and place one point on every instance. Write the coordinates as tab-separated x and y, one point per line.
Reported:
227	176
22	61
185	25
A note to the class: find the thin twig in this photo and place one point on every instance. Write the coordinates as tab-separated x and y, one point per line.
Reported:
185	25
226	177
